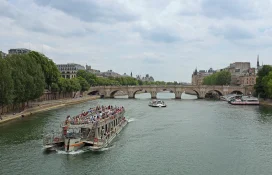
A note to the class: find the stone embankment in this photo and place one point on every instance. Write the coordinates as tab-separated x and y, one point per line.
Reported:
267	102
46	106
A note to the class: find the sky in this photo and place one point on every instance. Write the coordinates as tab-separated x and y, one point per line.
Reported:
166	39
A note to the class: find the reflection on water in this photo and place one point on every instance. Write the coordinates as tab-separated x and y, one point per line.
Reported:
265	114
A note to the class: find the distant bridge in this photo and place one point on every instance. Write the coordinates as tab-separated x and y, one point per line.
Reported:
201	91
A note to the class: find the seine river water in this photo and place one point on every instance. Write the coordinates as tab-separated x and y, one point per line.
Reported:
188	137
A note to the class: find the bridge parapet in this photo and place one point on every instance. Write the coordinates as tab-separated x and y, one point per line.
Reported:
201	91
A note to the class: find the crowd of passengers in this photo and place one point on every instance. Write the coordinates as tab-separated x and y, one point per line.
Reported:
93	115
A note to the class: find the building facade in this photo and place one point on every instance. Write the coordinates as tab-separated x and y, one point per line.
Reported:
146	78
93	71
242	74
18	51
69	70
110	73
198	76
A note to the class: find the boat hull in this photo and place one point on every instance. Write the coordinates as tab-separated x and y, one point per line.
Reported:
73	144
157	106
244	103
109	140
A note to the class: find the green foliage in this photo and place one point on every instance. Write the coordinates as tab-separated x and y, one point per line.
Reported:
6	83
27	76
218	78
49	69
55	87
262	81
89	77
93	80
75	85
84	84
266	83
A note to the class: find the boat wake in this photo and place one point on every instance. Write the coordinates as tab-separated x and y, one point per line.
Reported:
71	153
131	120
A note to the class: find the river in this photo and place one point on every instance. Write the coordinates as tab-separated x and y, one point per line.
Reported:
188	137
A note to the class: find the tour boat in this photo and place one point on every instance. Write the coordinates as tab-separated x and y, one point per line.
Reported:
157	103
92	130
245	100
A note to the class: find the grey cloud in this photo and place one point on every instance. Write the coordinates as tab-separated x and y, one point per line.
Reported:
158	35
41	24
231	33
6	10
243	9
149	60
91	10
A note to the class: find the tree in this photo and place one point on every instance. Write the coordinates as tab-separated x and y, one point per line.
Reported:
260	84
84	84
50	70
6	83
89	77
218	78
267	85
223	78
55	87
75	85
36	77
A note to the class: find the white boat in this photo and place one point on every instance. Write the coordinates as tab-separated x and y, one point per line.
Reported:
94	130
233	97
157	103
245	100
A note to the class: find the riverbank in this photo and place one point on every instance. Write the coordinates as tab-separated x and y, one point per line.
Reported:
41	107
266	103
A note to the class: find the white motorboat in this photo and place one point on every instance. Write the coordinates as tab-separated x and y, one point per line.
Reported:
245	100
157	103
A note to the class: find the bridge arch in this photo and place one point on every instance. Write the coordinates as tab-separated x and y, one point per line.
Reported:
197	93
139	90
188	91
94	92
215	90
208	95
237	92
112	93
166	93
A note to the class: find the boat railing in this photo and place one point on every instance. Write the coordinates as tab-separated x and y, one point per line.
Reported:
89	124
74	135
52	138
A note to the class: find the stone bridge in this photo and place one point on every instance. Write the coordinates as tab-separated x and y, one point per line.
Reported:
201	91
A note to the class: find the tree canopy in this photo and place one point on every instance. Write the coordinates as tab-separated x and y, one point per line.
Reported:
218	78
94	80
263	84
6	83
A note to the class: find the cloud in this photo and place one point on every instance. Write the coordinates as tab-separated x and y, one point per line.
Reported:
158	34
141	36
91	10
232	33
231	8
146	58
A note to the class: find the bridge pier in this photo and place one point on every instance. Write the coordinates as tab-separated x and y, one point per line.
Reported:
131	94
153	95
178	95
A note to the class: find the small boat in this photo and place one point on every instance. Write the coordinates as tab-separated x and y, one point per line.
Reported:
157	103
245	100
